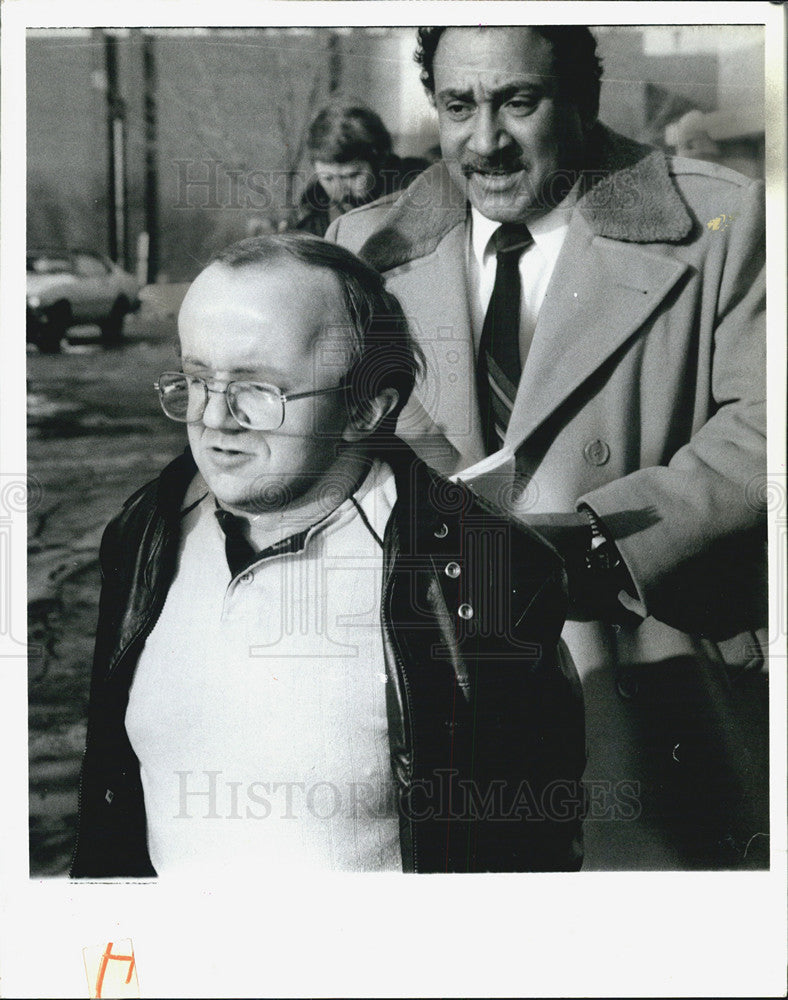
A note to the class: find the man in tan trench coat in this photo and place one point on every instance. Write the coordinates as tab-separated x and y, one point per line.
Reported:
636	438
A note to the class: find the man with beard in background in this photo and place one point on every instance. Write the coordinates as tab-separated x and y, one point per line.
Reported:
350	149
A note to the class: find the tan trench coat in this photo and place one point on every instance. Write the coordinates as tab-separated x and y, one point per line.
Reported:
643	396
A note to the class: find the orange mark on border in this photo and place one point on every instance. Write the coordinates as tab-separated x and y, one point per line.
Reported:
121	982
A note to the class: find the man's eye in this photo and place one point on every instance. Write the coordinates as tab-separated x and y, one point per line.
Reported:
457	110
521	105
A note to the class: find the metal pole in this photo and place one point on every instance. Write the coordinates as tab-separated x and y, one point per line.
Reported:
334	62
116	153
151	169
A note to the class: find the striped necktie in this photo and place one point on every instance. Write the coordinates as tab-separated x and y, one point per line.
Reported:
499	363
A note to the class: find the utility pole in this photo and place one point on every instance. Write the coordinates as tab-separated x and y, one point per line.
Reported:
151	168
334	62
116	154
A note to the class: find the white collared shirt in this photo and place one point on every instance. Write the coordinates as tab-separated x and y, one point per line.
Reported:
537	264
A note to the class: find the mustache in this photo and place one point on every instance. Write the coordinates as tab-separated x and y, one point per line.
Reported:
504	161
352	201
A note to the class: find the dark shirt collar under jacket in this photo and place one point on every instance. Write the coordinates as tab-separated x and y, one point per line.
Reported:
241	554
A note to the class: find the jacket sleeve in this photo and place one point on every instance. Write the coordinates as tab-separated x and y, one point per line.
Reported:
529	722
699	565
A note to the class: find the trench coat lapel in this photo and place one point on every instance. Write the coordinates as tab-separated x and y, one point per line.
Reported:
606	284
600	294
435	289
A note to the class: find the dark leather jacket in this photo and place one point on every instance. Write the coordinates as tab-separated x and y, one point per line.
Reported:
485	726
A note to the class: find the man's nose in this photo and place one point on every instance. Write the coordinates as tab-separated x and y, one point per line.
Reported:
217	413
488	134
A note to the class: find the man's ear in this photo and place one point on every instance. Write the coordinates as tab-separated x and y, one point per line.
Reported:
368	414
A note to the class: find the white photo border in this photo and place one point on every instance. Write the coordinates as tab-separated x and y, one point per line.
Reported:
591	934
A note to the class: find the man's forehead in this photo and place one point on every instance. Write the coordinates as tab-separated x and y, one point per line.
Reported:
340	169
280	279
301	301
492	57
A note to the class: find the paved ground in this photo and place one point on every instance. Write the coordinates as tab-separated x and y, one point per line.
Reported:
95	433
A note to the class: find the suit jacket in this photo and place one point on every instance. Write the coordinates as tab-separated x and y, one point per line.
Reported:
642	396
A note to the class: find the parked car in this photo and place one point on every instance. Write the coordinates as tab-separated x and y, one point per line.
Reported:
67	288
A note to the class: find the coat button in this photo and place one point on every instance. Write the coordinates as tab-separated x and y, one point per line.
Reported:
246	578
596	452
109	795
465	611
442	531
452	570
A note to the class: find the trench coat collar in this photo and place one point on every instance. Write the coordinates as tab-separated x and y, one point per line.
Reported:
626	193
608	280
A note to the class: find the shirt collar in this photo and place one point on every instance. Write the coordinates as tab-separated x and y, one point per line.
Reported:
482	230
375	497
548	230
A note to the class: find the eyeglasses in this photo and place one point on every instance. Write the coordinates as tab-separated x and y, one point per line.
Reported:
256	406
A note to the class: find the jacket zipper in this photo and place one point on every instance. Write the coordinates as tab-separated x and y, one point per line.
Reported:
401	673
409	702
75	848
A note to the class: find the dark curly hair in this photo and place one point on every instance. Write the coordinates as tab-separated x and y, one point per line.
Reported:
575	59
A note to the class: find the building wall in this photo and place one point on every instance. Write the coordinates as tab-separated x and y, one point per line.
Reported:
232	124
66	139
382	62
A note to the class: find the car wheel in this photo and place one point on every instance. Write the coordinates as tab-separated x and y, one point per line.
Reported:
53	327
112	327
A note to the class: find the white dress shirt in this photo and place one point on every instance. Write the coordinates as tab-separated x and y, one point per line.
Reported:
537	264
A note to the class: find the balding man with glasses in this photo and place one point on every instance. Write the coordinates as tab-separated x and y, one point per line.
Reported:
313	652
